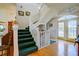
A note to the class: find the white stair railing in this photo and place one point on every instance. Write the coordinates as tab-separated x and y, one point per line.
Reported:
41	37
15	39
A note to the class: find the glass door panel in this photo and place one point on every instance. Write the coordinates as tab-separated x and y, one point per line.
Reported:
61	29
72	29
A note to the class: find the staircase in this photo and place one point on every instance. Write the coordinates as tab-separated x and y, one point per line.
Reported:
26	42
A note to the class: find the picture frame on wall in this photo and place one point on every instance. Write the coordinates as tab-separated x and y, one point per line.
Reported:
27	13
21	13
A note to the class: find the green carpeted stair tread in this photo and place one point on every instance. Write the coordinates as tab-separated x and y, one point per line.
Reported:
25	40
27	51
23	30
26	45
24	36
20	33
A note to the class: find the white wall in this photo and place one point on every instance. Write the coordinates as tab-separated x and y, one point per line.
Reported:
46	18
54	29
42	15
23	21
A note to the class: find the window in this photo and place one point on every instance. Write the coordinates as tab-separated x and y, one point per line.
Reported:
67	26
72	29
1	29
61	29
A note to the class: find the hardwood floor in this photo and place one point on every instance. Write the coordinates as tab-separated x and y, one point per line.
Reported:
60	48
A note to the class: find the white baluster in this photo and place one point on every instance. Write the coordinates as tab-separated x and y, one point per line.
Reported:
15	39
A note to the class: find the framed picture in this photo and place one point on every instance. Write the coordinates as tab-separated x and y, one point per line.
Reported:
27	13
21	13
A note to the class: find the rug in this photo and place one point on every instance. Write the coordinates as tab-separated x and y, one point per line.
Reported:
52	41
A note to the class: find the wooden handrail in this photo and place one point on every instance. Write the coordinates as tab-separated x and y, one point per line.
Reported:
6	39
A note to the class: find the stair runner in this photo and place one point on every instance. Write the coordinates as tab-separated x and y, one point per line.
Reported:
26	42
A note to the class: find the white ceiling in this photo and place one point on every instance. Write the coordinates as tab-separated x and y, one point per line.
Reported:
63	7
55	7
34	7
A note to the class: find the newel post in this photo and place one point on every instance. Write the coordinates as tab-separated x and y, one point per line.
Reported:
15	39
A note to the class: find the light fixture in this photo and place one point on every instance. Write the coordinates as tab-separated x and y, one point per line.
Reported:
21	6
